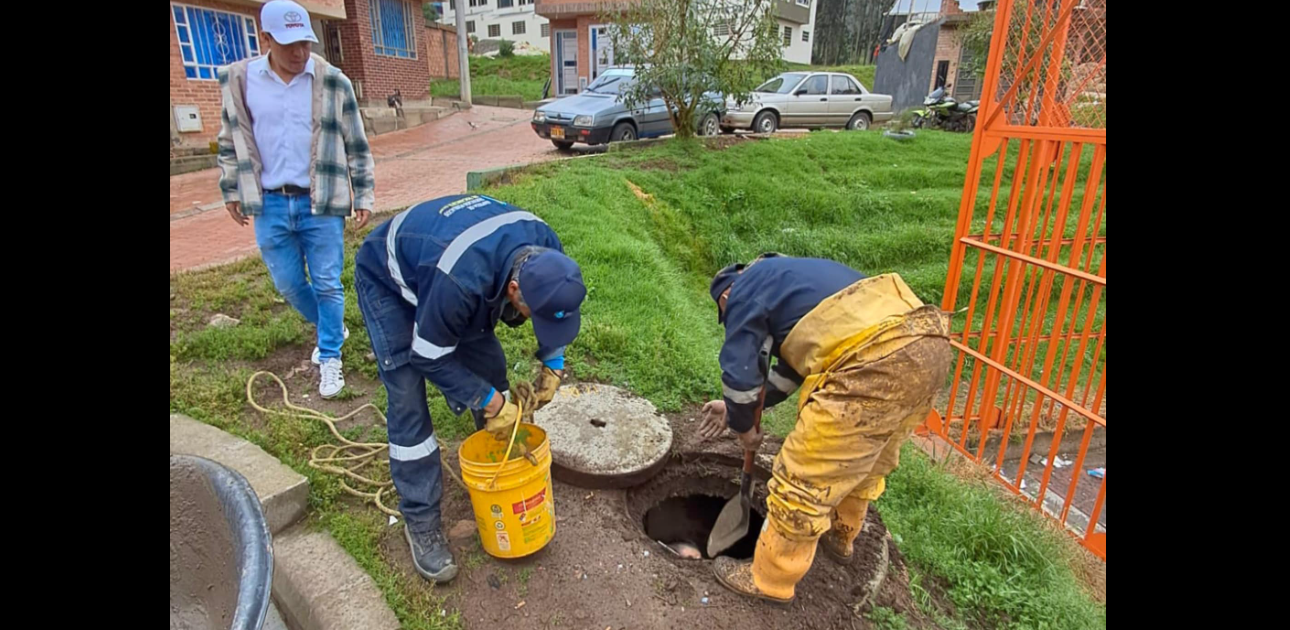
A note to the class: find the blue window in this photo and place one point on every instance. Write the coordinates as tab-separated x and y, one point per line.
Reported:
209	39
393	28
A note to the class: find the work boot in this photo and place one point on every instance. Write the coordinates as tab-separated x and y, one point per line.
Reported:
737	576
431	556
848	520
840	550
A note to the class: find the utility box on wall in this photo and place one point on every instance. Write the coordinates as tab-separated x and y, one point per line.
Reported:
188	118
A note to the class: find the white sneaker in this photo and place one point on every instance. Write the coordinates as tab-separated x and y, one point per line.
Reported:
316	357
333	378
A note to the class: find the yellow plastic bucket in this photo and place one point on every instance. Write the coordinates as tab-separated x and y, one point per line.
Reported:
515	513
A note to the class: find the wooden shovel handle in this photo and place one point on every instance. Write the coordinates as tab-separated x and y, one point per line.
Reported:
749	456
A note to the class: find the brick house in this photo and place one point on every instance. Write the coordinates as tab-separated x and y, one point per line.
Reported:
580	44
380	44
952	64
441	51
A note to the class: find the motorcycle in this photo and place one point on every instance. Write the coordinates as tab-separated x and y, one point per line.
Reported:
942	111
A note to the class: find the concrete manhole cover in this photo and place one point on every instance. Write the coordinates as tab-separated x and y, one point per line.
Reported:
603	437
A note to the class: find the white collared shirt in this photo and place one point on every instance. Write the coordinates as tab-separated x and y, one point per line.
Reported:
282	121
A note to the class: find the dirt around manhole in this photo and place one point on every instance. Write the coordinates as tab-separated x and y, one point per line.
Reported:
604	570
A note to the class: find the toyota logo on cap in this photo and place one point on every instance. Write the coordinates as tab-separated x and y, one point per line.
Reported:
293	18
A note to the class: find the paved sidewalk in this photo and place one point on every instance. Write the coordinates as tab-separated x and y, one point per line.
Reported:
413	165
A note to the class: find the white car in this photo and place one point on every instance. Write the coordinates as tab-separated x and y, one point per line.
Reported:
808	99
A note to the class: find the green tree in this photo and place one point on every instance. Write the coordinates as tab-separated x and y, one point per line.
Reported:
430	11
686	50
975	37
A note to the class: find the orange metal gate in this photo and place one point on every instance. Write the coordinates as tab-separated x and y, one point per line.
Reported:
1027	275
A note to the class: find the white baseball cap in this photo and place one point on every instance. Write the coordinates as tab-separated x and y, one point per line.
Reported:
287	22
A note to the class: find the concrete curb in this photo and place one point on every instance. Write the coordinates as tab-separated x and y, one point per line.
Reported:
382	120
618	147
190	164
476	180
318	586
283	492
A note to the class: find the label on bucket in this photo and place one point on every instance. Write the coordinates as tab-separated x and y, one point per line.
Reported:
534	526
503	541
529	503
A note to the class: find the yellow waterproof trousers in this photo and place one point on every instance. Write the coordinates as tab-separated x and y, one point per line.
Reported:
874	358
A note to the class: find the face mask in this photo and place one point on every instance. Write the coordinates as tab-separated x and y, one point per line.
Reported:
512	316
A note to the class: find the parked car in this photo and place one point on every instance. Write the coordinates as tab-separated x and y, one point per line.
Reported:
599	116
808	99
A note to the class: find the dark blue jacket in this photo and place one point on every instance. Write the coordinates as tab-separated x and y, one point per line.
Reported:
766	301
450	259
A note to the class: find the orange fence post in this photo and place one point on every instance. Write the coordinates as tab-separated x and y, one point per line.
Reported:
1029	260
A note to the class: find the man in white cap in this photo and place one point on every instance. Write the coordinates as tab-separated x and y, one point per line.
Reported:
291	148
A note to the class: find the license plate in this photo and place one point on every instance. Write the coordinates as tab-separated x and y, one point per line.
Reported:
557	133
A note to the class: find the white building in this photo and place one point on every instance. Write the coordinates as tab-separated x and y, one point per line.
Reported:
796	27
582	48
512	20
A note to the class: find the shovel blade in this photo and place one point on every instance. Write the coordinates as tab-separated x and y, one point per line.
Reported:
731	526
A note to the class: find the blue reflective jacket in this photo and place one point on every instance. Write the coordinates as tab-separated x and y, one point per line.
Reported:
450	259
766	301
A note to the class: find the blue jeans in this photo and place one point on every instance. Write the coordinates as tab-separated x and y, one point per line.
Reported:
415	463
290	237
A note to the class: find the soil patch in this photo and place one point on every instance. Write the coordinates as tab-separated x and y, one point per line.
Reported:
604	570
723	142
300	375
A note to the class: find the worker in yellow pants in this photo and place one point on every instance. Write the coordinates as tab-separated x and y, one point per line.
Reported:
869	358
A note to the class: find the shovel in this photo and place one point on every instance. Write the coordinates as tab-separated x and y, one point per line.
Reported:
732	524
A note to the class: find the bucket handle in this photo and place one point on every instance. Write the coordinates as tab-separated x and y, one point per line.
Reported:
519	406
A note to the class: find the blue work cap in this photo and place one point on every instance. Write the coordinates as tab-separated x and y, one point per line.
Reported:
551	284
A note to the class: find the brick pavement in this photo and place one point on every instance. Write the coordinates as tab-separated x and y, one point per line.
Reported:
413	165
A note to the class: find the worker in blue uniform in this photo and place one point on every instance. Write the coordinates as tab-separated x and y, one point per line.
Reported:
432	284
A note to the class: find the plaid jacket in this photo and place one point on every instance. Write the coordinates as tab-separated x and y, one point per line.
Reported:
341	156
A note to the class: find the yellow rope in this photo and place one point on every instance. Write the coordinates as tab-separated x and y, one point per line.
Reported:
348	459
519	406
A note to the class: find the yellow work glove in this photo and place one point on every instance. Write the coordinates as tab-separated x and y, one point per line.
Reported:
500	425
545	385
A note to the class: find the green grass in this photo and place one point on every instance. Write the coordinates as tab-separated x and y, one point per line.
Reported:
525	76
521	76
1003	566
884	618
649	325
861	72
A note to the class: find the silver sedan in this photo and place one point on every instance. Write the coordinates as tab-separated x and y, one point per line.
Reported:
808	99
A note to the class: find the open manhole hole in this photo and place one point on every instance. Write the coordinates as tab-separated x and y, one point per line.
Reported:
679	506
683	524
